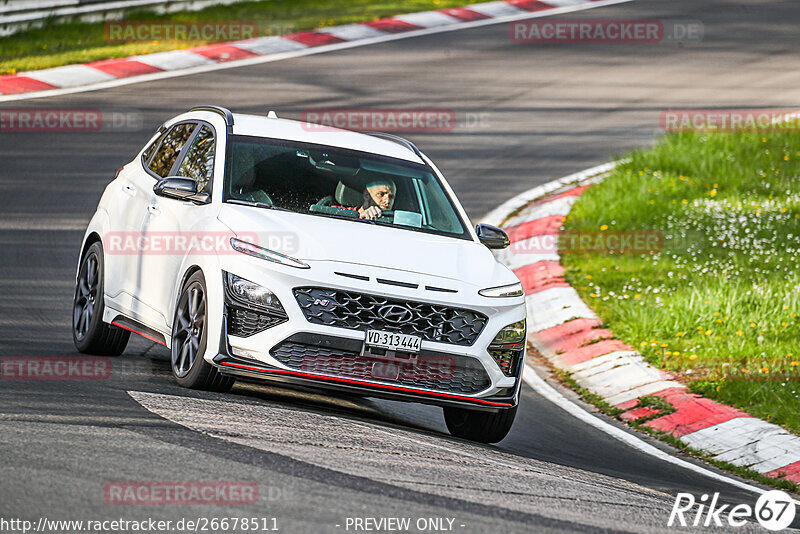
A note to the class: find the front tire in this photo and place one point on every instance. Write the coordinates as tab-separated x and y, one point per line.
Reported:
483	427
89	333
189	339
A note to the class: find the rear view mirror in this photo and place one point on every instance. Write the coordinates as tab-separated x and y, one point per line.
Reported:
180	188
492	236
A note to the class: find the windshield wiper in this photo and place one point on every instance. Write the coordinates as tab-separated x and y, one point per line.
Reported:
256	204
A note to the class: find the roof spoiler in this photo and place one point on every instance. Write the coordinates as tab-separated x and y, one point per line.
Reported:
397	139
224	112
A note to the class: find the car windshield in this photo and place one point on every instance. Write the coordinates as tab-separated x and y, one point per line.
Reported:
333	182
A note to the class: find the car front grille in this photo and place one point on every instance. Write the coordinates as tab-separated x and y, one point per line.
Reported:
360	311
437	372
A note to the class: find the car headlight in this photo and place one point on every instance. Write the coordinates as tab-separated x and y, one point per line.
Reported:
265	254
511	290
512	334
252	293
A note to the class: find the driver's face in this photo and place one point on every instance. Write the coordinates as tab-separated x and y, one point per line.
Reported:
383	195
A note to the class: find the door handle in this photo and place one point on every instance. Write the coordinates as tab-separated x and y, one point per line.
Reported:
128	188
155	210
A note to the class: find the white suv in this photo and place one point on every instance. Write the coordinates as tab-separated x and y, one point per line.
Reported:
285	251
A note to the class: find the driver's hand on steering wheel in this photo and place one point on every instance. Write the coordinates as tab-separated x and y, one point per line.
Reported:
371	213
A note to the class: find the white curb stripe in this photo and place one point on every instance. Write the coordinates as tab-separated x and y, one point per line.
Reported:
428	19
618	357
552	307
69	75
515	261
562	3
352	32
496	9
269	45
748	442
173	60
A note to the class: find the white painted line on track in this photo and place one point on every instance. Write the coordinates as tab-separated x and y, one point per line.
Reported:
306	52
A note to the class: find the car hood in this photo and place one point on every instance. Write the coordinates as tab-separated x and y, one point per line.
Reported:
317	238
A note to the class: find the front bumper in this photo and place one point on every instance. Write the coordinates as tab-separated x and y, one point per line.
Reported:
259	356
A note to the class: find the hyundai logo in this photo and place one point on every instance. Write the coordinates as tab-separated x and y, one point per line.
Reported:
395	314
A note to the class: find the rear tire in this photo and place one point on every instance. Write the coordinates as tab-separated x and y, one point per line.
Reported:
483	427
189	339
89	333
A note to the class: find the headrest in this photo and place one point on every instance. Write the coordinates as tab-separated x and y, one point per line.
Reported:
347	196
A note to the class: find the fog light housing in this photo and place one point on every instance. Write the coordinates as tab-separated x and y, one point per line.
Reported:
250	308
507	348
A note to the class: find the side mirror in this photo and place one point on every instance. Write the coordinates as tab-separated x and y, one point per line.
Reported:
180	188
492	236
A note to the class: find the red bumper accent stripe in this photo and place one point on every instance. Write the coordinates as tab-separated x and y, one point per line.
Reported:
369	384
151	338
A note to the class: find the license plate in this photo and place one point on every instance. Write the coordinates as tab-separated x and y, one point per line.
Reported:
393	341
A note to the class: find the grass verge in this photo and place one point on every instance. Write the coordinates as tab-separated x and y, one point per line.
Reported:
718	304
78	42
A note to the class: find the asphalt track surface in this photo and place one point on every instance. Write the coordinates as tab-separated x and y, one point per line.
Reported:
543	111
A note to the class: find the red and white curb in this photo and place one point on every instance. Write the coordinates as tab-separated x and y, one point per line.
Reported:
568	333
114	72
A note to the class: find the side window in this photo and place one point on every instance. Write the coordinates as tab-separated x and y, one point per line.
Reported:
199	160
170	148
152	148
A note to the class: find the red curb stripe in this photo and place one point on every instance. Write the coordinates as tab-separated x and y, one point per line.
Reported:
11	85
530	5
123	68
570	335
692	413
540	275
589	352
313	38
574	192
789	472
464	14
638	413
392	25
222	52
548	225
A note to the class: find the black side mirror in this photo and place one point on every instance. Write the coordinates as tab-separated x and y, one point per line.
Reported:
492	236
180	188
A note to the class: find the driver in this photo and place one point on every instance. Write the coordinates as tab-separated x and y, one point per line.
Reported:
378	197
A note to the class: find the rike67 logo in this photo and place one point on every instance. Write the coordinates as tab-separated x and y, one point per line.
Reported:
774	510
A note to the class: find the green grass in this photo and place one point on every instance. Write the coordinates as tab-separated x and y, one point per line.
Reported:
76	42
719	305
